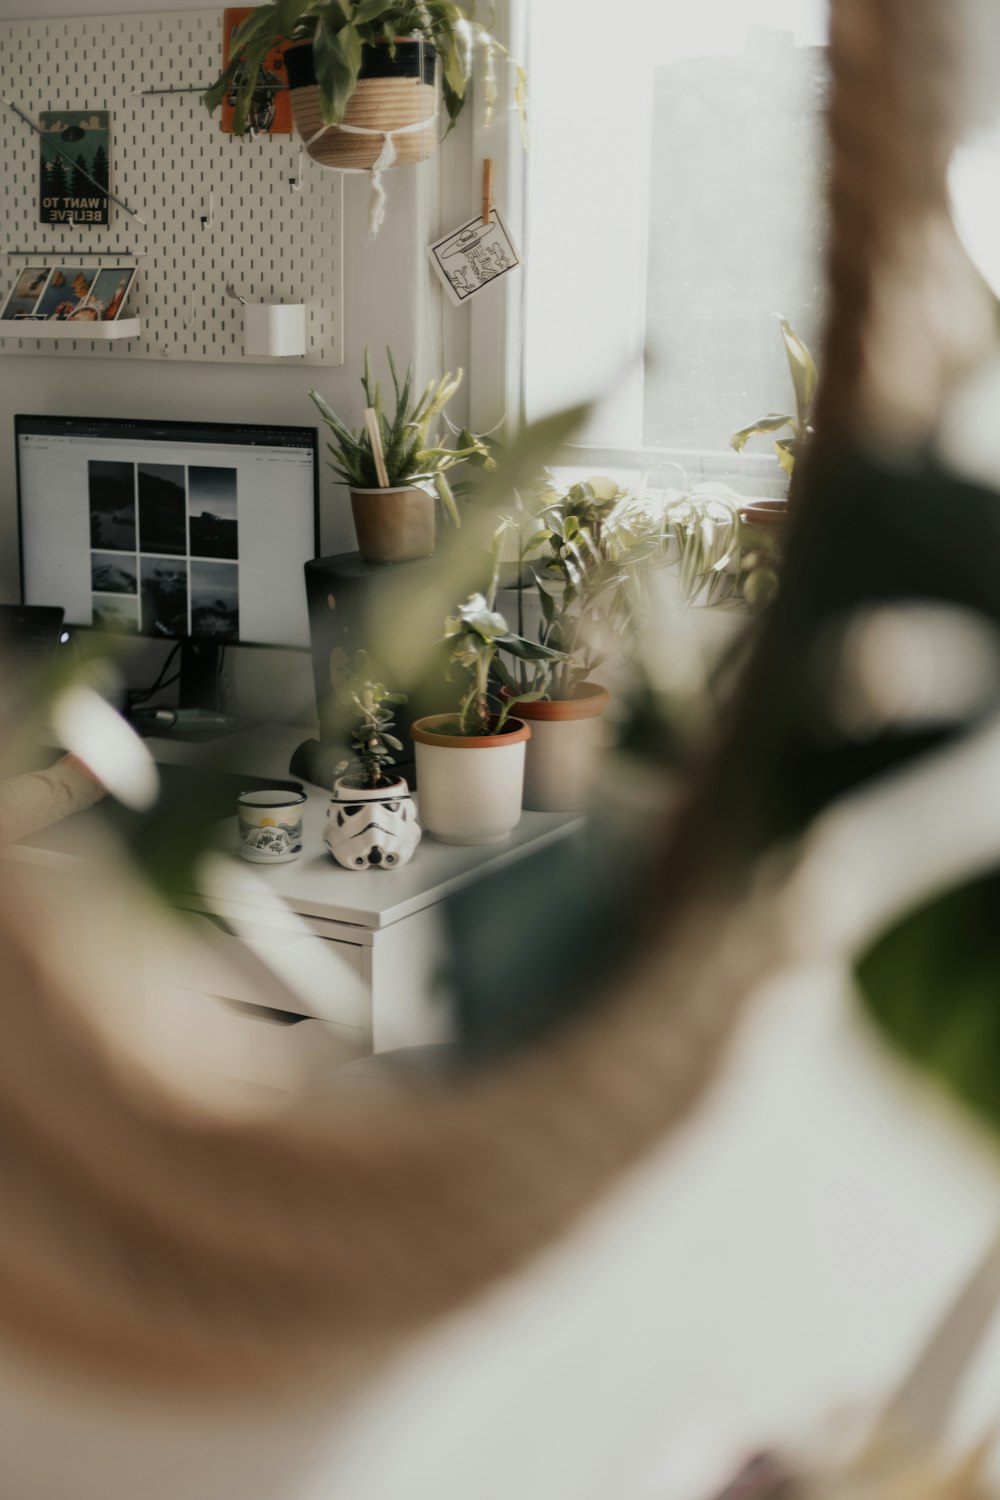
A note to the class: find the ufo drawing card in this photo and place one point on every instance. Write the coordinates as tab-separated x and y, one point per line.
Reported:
75	166
474	257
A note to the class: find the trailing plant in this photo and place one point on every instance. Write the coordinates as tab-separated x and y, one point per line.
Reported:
719	557
583	546
340	30
802	368
410	446
372	739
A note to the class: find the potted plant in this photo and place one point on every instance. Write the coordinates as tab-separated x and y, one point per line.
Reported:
372	821
470	764
362	73
802	368
395	520
586	541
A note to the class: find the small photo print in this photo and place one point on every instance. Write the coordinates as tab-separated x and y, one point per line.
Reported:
112	505
26	291
164	595
116	613
113	573
215	601
162	509
67	291
108	293
212	507
470	258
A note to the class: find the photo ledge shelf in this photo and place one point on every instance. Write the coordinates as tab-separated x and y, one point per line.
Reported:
125	328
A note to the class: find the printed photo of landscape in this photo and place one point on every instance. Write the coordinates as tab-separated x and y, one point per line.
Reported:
116	613
212	507
215	601
112	573
112	505
162	509
163	589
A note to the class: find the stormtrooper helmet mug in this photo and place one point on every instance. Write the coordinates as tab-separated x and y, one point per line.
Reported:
372	828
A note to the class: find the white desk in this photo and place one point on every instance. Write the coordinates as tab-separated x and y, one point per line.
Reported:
376	981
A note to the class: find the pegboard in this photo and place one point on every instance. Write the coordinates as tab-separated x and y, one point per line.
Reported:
172	163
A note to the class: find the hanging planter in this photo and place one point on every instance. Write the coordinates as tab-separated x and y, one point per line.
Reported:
395	101
362	77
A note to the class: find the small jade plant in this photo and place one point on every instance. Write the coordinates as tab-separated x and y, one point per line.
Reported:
802	368
477	635
412	449
372	740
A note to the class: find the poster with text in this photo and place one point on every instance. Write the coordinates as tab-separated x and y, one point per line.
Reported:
75	166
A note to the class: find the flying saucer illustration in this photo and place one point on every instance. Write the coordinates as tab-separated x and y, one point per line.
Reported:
468	240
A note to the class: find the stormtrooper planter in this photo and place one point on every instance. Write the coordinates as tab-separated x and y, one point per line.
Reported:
470	789
371	828
567	737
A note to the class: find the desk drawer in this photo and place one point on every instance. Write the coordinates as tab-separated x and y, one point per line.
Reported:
213	1035
281	970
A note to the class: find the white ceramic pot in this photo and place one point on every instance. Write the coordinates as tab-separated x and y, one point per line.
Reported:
371	828
567	738
470	789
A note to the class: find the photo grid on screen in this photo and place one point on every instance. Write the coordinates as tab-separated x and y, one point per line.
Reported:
165	549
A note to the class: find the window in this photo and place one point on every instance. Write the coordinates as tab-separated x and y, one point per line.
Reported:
675	208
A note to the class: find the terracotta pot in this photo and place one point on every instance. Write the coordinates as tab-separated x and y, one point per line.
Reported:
767	513
371	828
567	737
394	525
393	94
469	789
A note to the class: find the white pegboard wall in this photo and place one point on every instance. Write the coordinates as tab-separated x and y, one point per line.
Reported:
171	162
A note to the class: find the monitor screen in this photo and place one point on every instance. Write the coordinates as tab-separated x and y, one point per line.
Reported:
175	530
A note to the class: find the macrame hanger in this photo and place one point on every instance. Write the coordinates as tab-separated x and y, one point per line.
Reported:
387	155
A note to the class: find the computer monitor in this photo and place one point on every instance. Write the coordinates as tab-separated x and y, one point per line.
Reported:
194	532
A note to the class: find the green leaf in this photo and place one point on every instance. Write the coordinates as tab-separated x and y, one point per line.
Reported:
337	61
773	422
803	372
931	985
448	499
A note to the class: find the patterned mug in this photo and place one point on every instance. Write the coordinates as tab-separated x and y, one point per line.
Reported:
271	826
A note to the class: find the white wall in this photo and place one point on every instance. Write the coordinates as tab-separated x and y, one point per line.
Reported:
388	300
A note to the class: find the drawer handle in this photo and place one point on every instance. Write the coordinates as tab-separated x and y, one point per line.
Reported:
261	1012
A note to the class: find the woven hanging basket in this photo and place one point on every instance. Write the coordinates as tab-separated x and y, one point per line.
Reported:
393	93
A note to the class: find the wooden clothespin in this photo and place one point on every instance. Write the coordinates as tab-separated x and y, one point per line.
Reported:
371	422
487	190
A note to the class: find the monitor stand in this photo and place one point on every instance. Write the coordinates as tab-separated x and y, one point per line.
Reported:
200	714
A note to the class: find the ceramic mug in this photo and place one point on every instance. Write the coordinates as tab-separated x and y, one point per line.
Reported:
271	826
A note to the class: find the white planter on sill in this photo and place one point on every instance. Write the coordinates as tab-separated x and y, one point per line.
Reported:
469	788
